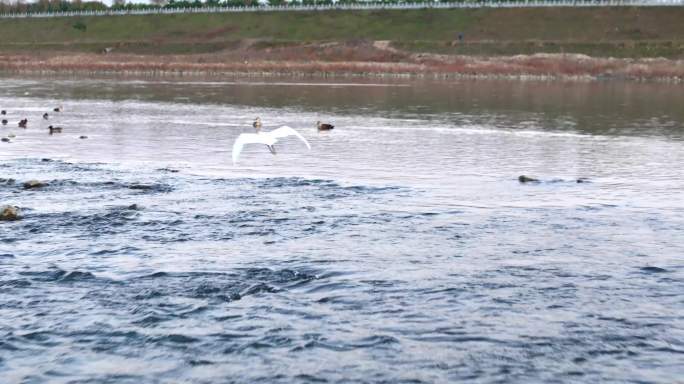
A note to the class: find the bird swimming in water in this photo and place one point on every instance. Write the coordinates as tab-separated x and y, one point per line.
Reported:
3	112
45	116
55	129
268	138
58	109
324	126
22	123
4	121
257	124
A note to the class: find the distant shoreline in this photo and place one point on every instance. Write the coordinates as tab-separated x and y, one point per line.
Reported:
564	43
566	67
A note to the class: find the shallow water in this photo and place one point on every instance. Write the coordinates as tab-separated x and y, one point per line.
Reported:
401	248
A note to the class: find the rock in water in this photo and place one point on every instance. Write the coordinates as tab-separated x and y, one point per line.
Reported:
31	184
526	179
9	213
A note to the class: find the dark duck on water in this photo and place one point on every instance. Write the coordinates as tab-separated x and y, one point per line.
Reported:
324	126
23	123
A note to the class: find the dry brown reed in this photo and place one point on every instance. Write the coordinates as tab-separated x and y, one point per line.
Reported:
370	63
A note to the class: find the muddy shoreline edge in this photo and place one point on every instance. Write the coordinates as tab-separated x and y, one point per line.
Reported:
544	67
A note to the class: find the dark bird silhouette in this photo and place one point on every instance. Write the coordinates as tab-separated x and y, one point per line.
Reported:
22	123
4	122
55	129
3	112
58	109
45	116
324	126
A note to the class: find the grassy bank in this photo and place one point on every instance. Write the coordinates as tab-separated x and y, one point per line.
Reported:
599	32
587	43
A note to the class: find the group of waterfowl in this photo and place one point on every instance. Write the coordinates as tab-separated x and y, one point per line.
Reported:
268	138
23	123
271	137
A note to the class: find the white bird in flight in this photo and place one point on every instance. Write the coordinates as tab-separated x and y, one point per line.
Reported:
268	138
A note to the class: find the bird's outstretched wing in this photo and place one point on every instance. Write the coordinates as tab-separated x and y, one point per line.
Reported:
285	131
247	138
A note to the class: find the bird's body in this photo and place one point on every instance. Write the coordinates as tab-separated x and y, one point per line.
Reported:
324	126
3	112
55	129
23	123
45	116
4	121
268	138
58	109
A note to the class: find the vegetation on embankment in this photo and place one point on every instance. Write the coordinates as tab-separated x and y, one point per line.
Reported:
543	42
601	32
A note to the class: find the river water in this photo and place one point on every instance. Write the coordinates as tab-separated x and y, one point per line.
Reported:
400	248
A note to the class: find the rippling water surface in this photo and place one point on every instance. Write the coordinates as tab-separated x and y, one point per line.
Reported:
401	248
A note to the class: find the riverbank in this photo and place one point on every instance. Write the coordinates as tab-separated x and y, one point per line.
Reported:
570	43
390	64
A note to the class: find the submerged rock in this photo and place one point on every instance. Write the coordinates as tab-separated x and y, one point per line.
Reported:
9	213
31	184
527	179
142	187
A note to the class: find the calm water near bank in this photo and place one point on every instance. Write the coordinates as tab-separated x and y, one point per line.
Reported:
400	248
